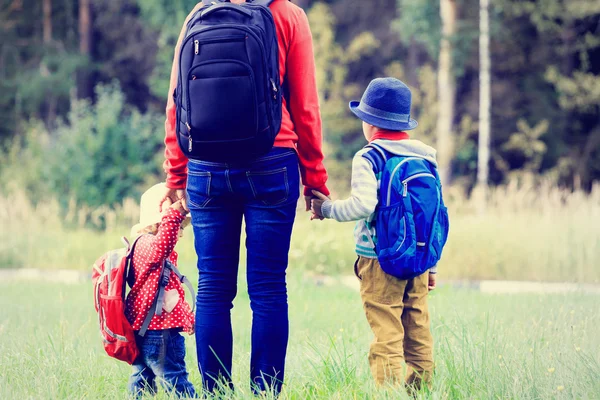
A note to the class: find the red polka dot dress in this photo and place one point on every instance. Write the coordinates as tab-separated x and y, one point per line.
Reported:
148	257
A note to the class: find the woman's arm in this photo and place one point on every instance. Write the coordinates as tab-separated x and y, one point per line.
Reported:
304	106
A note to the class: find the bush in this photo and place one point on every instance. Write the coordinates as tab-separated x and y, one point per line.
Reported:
100	155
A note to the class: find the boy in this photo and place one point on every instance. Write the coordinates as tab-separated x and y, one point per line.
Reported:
396	309
162	348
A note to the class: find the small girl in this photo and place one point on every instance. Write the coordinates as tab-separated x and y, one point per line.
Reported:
162	347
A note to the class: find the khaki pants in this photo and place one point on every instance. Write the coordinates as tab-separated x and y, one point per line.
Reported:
398	314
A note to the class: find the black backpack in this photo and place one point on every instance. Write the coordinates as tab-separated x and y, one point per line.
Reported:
228	93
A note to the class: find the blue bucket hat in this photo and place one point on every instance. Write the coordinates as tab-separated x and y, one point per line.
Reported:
386	104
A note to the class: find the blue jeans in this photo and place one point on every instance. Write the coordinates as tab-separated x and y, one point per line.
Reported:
265	194
162	356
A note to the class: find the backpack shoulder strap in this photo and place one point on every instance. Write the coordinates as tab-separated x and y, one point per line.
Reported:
183	279
264	3
129	255
131	248
159	297
194	18
377	156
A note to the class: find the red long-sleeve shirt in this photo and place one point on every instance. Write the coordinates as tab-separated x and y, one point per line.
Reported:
149	254
301	119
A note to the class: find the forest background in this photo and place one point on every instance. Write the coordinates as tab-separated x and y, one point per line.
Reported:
507	91
83	85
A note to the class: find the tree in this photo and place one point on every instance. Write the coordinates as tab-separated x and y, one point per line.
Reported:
166	17
84	85
446	90
125	49
332	64
47	5
484	99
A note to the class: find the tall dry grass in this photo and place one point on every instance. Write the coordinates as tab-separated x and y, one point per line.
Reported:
541	233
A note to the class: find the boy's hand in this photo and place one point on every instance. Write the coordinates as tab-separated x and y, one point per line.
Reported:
178	205
432	278
316	205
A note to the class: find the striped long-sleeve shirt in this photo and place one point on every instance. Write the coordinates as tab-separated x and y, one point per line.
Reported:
363	200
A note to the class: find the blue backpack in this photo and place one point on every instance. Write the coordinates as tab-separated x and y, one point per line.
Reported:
411	219
228	94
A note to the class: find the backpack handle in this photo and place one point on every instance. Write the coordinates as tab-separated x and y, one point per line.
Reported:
225	6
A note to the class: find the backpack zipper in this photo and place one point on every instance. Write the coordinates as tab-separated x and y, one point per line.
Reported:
389	196
410	178
274	88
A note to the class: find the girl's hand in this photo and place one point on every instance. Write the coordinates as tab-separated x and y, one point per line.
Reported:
178	205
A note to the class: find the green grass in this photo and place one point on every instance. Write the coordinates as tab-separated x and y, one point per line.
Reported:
487	346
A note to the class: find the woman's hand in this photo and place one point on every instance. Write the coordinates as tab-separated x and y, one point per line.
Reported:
316	204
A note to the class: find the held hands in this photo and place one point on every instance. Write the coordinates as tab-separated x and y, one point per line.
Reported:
178	205
171	197
316	204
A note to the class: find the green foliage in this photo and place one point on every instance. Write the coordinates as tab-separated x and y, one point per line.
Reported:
166	17
35	77
528	144
342	131
101	154
125	49
113	152
545	67
580	92
420	21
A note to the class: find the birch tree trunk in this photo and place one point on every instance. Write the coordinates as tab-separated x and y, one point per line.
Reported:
483	158
446	91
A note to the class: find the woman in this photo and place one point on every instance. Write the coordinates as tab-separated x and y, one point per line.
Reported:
264	193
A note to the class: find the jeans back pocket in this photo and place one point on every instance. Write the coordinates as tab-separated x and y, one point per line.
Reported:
198	188
270	187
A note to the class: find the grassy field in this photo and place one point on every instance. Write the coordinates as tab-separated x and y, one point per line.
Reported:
541	234
487	346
